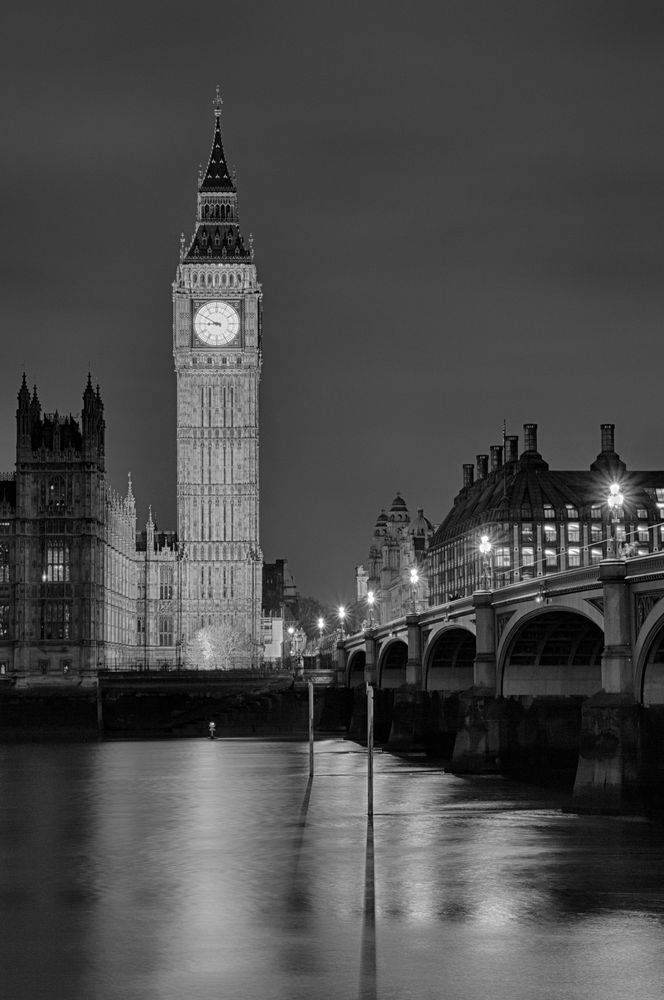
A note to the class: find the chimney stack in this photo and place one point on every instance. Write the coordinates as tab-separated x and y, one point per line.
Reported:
482	466
496	457
608	442
530	437
468	474
512	448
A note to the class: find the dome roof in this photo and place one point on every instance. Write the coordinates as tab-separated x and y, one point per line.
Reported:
398	505
421	525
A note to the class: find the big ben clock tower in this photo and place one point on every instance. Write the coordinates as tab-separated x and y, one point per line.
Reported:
217	352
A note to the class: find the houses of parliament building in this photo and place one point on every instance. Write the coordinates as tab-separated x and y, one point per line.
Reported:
80	587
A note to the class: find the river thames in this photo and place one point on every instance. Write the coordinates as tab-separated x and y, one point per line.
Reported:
215	869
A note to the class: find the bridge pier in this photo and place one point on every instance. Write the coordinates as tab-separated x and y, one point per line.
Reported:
482	727
609	776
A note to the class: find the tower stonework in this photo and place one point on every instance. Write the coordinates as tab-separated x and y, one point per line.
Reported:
217	353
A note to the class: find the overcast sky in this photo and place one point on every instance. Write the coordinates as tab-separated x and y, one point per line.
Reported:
458	213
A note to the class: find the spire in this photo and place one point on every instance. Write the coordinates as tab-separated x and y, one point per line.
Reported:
24	394
217	176
217	236
130	492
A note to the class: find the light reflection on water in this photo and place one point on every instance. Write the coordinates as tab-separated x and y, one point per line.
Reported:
207	869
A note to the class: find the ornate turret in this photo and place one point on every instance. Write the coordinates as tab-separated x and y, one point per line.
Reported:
93	424
217	234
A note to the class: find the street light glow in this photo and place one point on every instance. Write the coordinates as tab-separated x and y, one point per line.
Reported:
414	576
371	598
342	612
485	545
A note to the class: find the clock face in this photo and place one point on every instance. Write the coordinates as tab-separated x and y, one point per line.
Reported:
216	323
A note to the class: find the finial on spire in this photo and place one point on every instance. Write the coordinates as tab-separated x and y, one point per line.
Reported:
217	103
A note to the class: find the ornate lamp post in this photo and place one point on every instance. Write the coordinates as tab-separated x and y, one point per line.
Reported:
414	580
615	501
341	614
485	552
297	639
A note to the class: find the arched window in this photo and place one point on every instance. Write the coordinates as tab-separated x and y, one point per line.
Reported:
194	278
206	211
224	278
209	279
215	279
217	212
55	497
231	279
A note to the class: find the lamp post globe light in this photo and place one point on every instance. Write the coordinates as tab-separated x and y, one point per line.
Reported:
485	552
371	600
614	500
341	614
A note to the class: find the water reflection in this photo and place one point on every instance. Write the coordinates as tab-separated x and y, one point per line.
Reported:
213	868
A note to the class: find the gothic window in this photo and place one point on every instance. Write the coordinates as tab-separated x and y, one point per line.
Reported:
4	621
231	279
56	620
194	278
206	211
204	239
165	583
209	279
217	212
57	560
140	626
56	496
4	562
549	512
217	238
165	630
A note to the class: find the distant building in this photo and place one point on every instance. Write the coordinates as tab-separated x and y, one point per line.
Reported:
539	521
398	546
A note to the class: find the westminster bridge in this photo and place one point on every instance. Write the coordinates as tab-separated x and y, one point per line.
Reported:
562	667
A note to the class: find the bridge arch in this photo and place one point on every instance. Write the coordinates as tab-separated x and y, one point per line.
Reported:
449	660
392	662
552	651
649	659
355	668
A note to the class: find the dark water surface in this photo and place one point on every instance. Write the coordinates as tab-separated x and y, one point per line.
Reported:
169	870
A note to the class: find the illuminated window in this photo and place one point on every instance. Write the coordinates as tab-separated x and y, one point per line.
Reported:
596	512
549	512
57	560
526	532
642	533
574	557
550	558
528	556
642	513
659	493
570	510
596	555
596	533
573	532
4	621
550	533
4	562
501	556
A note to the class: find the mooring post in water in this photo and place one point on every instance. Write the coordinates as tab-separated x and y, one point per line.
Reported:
370	736
311	728
212	728
100	711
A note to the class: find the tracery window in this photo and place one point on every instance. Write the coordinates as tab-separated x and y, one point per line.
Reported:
57	560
